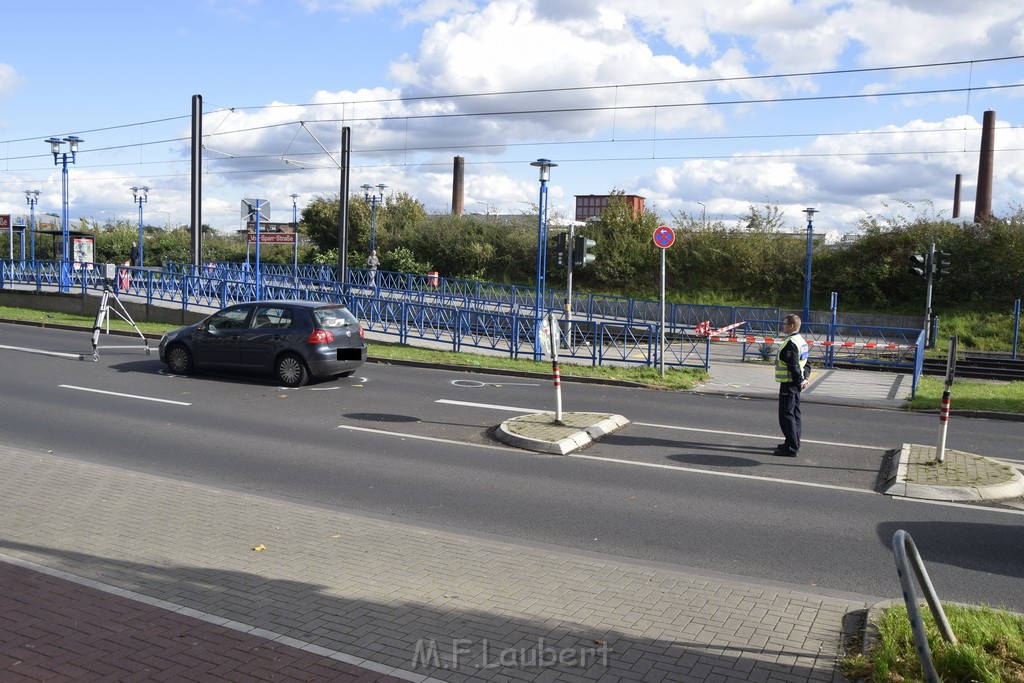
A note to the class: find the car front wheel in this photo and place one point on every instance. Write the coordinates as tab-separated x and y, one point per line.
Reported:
179	360
291	371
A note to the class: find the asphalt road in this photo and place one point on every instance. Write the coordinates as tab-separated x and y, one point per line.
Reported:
691	482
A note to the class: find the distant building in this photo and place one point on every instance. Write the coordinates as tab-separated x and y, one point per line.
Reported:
590	205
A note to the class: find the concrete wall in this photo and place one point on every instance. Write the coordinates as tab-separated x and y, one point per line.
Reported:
903	322
89	305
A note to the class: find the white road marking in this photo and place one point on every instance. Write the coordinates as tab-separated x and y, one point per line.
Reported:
513	409
680	469
41	352
759	436
418	437
470	404
476	384
115	393
734	475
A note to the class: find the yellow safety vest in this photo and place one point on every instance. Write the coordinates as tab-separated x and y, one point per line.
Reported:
781	370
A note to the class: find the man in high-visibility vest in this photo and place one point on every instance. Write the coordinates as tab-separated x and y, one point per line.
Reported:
793	375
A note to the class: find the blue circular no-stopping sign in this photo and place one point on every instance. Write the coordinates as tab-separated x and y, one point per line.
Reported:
664	237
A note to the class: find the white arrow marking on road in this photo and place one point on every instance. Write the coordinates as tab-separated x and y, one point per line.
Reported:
114	393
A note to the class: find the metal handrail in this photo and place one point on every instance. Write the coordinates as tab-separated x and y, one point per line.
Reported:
903	548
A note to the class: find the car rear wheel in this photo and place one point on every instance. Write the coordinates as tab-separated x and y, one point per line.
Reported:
179	360
291	371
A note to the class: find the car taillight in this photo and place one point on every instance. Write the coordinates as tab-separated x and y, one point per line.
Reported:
320	337
362	335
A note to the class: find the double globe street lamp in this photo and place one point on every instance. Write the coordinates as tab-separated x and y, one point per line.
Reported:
374	199
60	158
32	198
545	166
807	267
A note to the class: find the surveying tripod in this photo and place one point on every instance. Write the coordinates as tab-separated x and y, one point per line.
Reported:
103	318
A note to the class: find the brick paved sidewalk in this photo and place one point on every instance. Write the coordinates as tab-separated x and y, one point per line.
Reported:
409	601
52	629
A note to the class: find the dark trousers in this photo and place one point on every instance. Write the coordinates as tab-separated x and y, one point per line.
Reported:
789	414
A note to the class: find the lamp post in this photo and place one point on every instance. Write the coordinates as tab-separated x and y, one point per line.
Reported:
295	234
32	197
140	196
807	266
545	166
61	158
703	215
373	199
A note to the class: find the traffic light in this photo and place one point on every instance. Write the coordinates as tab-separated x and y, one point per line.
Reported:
561	248
919	265
580	257
942	262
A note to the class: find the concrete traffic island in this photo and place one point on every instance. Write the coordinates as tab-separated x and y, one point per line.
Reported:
959	477
542	433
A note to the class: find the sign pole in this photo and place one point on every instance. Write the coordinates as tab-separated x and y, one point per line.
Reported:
664	237
568	286
940	452
258	282
661	320
555	372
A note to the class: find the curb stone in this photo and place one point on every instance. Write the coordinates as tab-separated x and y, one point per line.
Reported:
539	432
962	476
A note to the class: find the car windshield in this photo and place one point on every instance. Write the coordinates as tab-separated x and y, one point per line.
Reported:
333	316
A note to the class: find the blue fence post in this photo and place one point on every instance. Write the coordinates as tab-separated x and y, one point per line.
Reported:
831	355
457	329
1016	326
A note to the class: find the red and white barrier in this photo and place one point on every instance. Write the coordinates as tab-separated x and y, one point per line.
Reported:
704	330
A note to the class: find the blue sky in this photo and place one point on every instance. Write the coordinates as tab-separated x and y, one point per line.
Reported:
708	107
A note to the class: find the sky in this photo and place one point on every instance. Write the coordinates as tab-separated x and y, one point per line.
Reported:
859	108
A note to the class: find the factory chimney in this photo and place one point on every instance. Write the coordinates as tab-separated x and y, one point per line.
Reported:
459	187
983	202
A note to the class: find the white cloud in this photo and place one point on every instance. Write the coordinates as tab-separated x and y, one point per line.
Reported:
594	60
9	79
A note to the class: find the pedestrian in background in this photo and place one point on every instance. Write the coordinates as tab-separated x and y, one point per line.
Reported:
793	375
134	256
372	262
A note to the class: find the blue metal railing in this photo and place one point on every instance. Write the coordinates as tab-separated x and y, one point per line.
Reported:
485	315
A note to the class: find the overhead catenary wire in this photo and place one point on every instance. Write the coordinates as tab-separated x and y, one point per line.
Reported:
223	116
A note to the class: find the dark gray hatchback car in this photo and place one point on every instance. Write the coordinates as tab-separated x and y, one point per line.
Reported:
293	340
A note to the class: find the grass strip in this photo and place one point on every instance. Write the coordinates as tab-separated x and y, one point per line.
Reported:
990	647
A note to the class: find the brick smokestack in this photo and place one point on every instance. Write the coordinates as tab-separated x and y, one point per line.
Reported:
956	197
459	187
986	161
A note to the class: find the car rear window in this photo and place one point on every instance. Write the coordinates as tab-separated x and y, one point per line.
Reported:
333	316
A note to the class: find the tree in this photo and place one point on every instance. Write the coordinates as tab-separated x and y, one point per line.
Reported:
625	250
320	222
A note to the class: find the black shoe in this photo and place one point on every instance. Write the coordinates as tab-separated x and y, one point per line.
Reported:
785	452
